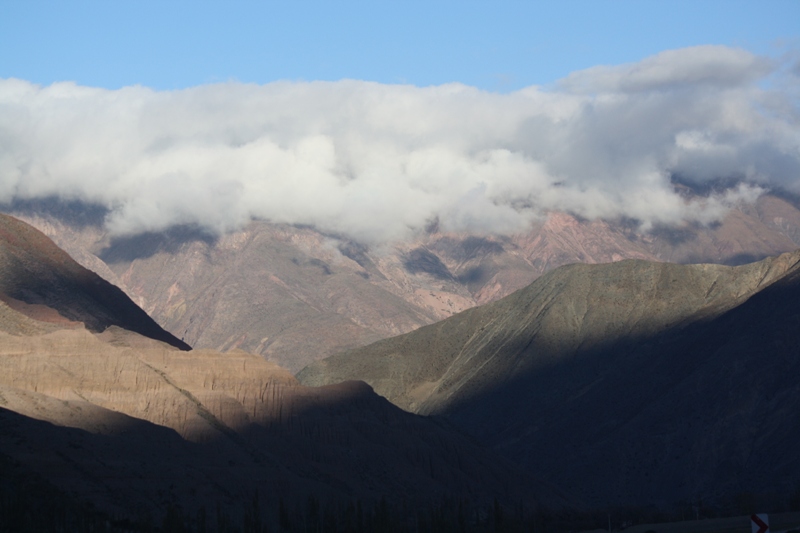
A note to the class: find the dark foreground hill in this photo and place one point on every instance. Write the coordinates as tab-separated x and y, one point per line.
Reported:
101	419
633	383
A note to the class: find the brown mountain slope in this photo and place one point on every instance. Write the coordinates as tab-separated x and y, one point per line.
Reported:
295	295
213	428
39	279
769	227
627	383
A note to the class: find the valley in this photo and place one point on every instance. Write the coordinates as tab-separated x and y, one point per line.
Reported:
461	368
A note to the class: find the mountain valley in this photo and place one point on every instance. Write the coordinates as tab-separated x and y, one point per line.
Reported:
525	372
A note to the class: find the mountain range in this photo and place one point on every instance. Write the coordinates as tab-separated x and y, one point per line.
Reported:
561	368
295	295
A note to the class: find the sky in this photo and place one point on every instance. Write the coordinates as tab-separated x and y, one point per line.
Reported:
372	119
497	46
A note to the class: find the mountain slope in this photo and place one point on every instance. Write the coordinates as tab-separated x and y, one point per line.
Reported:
37	278
220	428
628	383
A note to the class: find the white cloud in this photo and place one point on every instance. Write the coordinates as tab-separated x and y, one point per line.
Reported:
710	65
378	162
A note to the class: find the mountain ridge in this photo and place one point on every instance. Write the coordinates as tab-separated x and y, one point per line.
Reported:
35	273
308	295
549	286
574	360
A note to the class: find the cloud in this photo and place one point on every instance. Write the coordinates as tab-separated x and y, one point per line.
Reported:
380	162
709	65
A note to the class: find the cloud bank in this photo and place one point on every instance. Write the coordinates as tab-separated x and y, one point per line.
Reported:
379	162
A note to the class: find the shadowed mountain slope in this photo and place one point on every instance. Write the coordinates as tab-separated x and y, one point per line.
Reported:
627	383
40	280
135	427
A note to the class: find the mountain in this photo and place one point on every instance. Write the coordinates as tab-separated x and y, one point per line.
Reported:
632	383
143	430
134	427
41	281
295	295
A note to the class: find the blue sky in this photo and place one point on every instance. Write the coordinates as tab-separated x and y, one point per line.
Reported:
496	46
